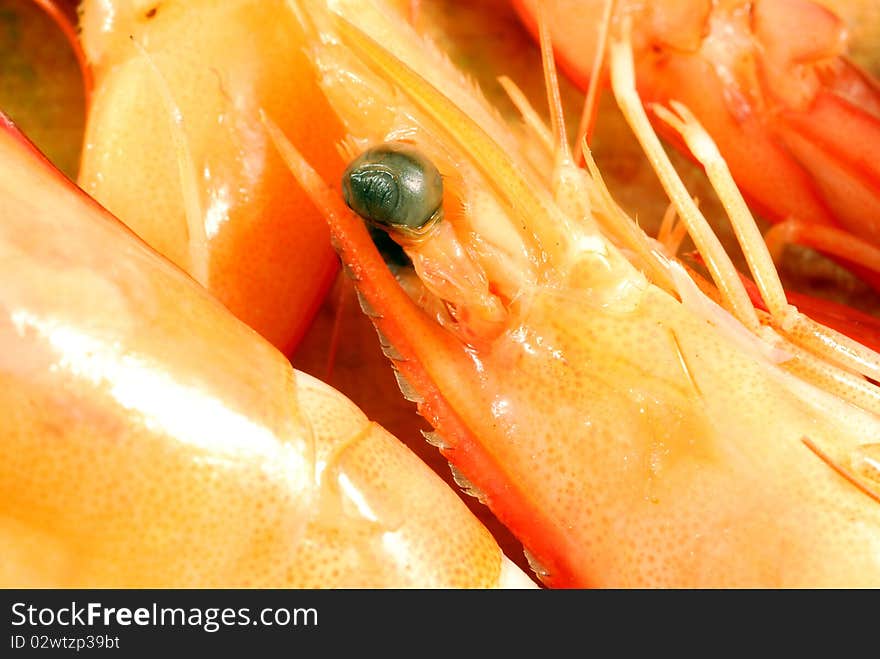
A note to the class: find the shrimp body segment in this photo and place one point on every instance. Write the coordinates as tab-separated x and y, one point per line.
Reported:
149	438
174	148
627	428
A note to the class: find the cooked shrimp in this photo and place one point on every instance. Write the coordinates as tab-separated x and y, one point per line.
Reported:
633	423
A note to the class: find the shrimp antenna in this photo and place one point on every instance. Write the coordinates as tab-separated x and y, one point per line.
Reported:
827	354
335	332
529	115
840	469
591	103
554	100
724	274
818	339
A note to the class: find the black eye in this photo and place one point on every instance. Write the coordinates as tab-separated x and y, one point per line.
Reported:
393	186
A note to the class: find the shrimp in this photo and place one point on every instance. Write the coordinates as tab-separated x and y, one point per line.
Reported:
173	147
149	438
790	99
632	422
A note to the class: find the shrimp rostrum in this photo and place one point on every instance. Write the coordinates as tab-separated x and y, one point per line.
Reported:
633	422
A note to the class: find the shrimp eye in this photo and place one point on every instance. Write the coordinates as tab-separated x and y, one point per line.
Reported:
393	186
